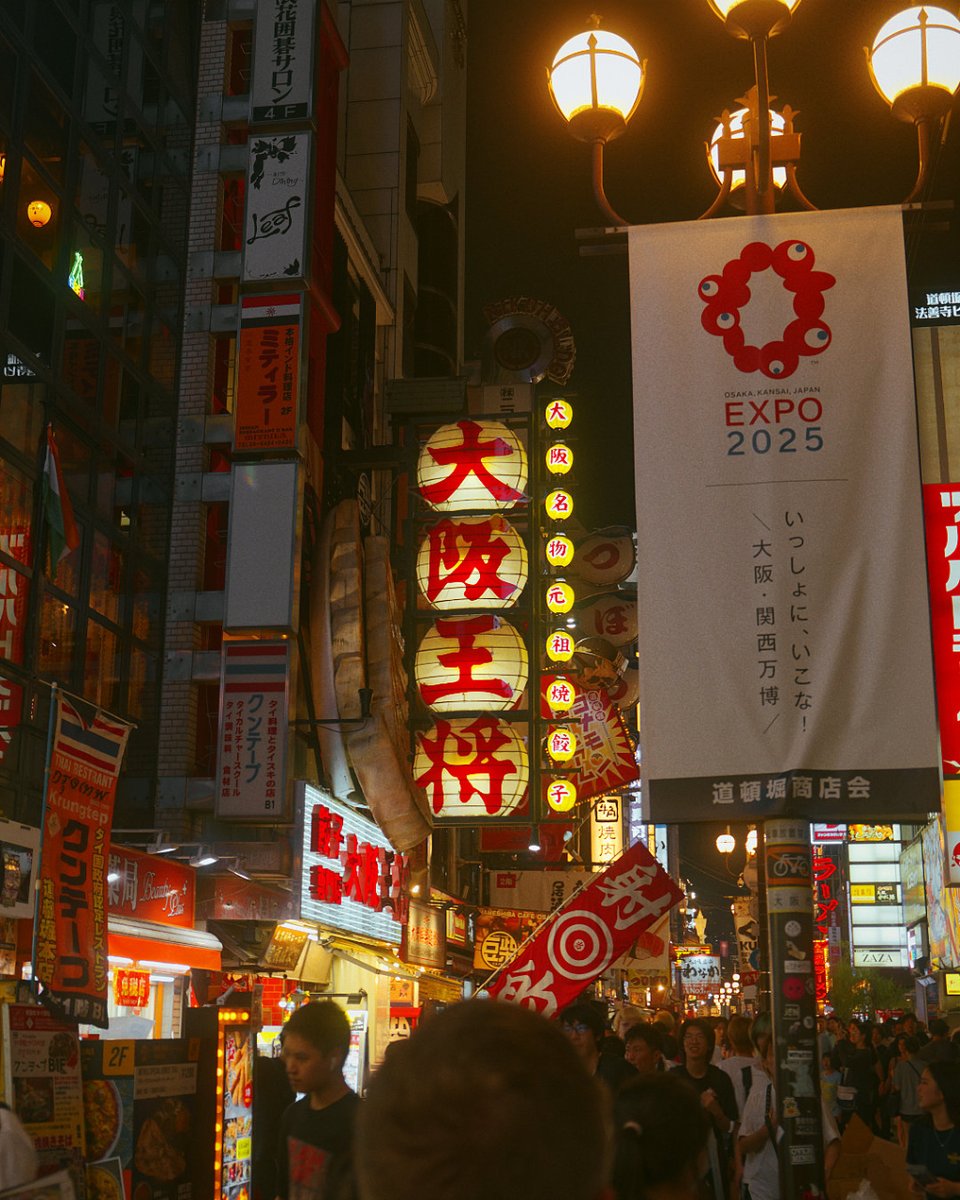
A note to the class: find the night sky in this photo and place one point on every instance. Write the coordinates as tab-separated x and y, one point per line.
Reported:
529	190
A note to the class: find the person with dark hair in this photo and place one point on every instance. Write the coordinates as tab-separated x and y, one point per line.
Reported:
939	1048
933	1146
584	1026
485	1101
860	1070
316	1133
644	1049
907	1069
715	1090
661	1132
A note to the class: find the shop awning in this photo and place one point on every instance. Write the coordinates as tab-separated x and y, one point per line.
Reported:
147	942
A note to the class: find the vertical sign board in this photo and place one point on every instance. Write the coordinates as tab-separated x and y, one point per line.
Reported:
778	491
276	220
268	373
941	511
282	86
254	711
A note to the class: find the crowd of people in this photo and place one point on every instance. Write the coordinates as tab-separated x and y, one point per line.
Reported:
488	1100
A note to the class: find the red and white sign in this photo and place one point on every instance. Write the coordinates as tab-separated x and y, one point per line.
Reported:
941	516
605	760
588	933
471	562
473	767
268	375
472	466
14	588
699	976
471	663
148	887
131	989
254	699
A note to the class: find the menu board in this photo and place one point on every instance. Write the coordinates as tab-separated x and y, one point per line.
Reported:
238	1051
42	1084
139	1101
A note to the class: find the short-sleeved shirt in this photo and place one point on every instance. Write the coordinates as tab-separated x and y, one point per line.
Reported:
314	1143
936	1149
906	1076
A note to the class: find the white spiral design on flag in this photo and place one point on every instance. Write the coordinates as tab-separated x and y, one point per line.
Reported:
579	945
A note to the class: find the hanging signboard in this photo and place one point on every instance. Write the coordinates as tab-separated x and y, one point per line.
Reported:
268	373
941	511
254	699
276	218
580	941
71	920
776	440
150	887
282	85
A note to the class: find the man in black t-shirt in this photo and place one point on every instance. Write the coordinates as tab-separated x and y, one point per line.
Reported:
316	1133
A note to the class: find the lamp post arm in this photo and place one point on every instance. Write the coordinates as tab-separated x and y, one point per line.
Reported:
795	189
599	193
722	195
923	159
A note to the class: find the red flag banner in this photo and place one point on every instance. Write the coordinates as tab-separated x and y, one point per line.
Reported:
588	933
70	956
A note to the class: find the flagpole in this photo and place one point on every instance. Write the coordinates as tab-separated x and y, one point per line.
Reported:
43	819
83	700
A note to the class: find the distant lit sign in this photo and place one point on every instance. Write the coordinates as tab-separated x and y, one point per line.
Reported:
871	833
131	989
558	414
936	308
951	984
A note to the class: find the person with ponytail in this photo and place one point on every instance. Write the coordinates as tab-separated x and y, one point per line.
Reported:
661	1131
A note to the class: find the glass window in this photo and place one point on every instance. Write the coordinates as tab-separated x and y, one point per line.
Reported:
55	44
141	686
16	510
21	413
16	498
146	608
31	313
39	214
80	365
58	631
8	81
101	675
106	578
45	129
92	196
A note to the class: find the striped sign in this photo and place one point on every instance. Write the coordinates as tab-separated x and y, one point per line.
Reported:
70	955
268	373
254	710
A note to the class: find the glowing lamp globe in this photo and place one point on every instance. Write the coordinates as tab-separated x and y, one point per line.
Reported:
561	744
472	466
478	664
558	506
751	841
915	61
561	795
559	459
560	597
560	646
559	551
596	82
471	562
558	414
39	213
473	769
560	695
737	176
754	18
726	843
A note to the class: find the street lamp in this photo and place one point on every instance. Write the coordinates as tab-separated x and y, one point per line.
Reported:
597	79
915	66
726	842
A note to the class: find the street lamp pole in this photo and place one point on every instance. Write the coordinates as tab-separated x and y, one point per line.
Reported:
596	82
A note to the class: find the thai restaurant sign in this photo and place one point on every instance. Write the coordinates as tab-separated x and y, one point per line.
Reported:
268	373
282	84
352	879
254	707
775	441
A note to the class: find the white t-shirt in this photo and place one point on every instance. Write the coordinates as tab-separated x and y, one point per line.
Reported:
760	1169
733	1066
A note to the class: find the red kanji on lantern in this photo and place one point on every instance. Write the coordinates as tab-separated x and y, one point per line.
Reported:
466	761
463	660
476	559
467	459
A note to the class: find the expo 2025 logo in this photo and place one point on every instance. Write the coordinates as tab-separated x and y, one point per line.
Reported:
726	294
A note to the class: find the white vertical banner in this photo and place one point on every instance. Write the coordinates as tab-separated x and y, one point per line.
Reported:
276	214
784	632
283	82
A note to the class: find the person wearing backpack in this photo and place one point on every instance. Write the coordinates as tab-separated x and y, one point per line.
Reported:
907	1069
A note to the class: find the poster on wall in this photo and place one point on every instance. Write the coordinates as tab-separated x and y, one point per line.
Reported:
252	758
776	445
276	217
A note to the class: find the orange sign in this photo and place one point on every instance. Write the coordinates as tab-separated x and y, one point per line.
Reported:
268	373
131	989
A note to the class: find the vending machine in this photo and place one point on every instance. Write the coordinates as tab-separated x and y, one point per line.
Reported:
226	1115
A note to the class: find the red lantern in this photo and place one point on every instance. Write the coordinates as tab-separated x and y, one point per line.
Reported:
472	466
472	562
473	663
472	768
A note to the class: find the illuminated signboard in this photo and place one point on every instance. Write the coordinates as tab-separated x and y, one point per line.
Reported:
472	767
471	562
352	878
474	663
472	466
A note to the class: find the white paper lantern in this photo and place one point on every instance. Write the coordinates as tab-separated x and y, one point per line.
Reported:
471	562
473	769
472	466
473	663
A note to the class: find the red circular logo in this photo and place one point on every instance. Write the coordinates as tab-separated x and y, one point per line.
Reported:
726	294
